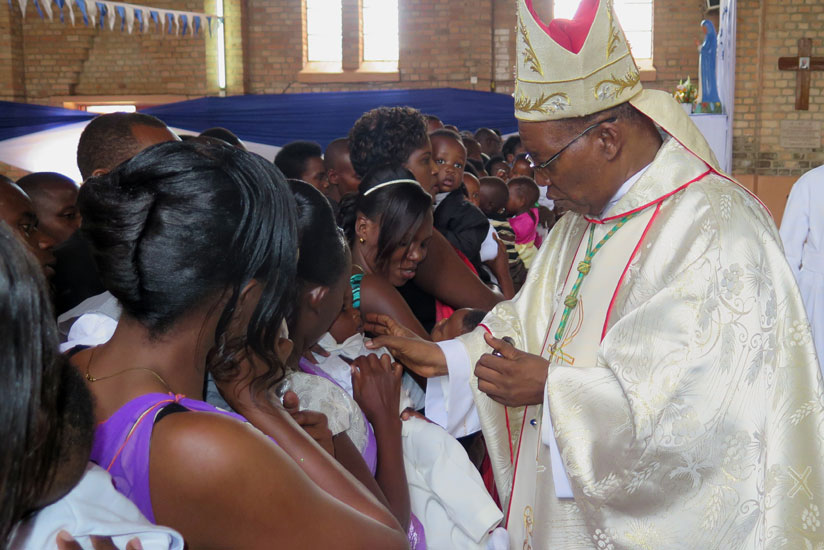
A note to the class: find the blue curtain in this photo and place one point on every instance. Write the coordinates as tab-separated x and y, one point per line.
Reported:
19	119
322	117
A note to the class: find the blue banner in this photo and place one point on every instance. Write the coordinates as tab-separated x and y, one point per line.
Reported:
121	11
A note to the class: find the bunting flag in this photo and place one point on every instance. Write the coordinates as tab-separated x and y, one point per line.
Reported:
107	13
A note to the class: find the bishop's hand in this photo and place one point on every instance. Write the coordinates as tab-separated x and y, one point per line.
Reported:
418	355
512	377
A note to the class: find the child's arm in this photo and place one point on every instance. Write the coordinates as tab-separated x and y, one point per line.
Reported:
500	268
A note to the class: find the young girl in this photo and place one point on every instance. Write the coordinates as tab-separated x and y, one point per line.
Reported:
389	226
397	137
197	243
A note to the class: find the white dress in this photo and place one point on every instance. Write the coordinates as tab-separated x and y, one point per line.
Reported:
802	232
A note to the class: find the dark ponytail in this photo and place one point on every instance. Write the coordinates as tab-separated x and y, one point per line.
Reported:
181	223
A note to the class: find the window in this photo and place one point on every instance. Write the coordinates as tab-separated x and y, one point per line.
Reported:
324	31
380	30
351	41
635	17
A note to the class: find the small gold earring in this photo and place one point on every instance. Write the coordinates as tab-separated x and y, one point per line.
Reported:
360	240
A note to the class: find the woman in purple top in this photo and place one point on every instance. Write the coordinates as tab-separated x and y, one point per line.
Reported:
197	242
322	281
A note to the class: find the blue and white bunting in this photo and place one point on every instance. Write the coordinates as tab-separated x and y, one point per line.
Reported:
106	13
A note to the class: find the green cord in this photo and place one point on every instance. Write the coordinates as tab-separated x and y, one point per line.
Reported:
571	301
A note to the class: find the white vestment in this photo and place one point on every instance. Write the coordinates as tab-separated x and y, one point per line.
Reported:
684	399
802	231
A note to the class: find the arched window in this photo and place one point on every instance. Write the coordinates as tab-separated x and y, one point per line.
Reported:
635	17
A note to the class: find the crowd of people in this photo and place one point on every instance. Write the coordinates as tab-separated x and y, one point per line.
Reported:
204	279
405	340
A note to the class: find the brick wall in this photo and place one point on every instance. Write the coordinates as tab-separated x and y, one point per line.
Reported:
53	60
767	30
442	44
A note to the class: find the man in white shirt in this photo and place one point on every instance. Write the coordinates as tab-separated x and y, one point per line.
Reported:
802	232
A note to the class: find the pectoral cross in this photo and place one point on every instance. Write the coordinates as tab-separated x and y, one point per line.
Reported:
804	63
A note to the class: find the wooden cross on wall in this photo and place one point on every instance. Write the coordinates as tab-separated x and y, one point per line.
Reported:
804	63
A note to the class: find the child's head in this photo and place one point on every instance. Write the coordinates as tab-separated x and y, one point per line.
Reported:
348	322
494	196
497	166
462	321
521	167
449	154
523	194
473	189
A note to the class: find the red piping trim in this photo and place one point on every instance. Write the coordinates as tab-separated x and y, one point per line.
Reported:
515	472
626	268
506	411
656	201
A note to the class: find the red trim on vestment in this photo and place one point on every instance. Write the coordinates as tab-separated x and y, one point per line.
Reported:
626	268
515	472
658	200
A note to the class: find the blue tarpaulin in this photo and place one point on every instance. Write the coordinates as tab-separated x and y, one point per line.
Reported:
322	117
20	119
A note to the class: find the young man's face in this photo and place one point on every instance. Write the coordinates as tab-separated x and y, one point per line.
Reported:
342	176
17	211
450	158
56	208
314	173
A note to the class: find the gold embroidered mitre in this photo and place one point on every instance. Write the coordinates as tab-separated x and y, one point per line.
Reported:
572	68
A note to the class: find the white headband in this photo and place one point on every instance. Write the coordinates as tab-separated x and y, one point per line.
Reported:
385	184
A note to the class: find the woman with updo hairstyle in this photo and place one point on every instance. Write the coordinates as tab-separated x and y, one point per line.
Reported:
198	244
396	136
388	224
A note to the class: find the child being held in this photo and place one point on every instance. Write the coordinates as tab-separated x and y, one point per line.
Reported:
345	341
463	225
523	216
446	493
494	196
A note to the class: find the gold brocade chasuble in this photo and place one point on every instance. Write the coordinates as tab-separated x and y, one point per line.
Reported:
687	404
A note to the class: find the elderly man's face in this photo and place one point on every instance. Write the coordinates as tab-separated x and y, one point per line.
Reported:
576	180
17	211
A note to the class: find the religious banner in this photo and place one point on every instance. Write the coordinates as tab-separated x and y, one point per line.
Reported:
107	14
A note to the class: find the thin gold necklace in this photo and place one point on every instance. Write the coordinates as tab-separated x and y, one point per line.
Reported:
93	379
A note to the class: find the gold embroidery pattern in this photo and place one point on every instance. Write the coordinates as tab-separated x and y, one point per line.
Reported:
546	104
530	56
529	524
614	34
612	87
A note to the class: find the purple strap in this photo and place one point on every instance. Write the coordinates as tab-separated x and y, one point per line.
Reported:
122	442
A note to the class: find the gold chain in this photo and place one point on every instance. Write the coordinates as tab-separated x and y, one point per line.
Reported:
93	379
